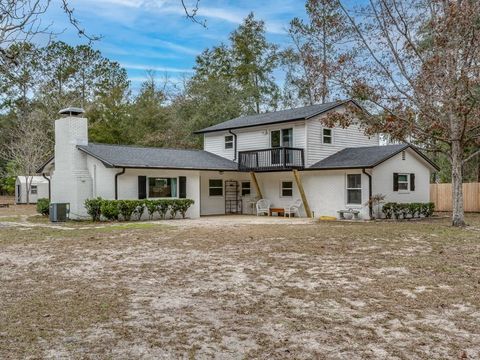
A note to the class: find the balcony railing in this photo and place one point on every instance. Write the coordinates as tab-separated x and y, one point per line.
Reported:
273	159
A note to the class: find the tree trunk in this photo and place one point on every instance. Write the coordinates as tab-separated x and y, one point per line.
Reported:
27	189
458	216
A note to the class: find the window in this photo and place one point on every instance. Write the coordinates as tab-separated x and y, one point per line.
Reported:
33	189
160	187
327	136
287	189
403	182
354	189
215	187
229	142
245	188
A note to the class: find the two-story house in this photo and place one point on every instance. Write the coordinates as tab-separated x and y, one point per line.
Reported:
280	156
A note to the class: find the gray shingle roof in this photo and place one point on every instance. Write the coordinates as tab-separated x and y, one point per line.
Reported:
301	113
147	157
364	157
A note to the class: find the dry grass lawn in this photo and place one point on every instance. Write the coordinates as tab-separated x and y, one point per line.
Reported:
296	291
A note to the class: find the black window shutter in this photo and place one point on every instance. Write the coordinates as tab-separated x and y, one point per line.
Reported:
395	181
182	182
412	182
142	187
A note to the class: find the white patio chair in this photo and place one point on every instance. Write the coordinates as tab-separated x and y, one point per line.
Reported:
263	207
293	208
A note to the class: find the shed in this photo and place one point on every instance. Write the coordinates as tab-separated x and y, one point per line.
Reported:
39	189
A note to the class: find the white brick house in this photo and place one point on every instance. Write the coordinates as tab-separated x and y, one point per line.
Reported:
278	154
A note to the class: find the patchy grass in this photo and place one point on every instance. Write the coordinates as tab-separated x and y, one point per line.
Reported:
326	290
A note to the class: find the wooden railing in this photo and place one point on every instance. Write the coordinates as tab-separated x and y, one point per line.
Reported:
273	159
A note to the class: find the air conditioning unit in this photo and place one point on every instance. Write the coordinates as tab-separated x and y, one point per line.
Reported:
59	212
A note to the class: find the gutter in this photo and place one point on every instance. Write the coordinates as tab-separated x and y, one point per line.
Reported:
49	186
370	205
116	182
234	144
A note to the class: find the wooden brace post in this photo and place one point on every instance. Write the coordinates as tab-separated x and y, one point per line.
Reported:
296	175
255	183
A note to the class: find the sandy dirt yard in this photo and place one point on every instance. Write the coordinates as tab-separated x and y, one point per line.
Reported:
239	288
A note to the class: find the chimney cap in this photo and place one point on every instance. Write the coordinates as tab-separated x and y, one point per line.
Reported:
72	111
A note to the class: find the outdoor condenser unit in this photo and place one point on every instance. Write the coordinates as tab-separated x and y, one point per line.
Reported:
59	212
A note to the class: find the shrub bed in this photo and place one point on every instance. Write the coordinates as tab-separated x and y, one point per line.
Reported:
43	206
127	210
407	210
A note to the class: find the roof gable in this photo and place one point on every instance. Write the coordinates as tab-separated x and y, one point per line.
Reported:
281	116
365	157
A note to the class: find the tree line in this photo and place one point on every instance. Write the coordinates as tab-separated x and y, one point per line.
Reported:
412	64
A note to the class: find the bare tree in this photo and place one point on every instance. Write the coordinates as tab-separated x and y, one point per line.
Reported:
419	71
27	149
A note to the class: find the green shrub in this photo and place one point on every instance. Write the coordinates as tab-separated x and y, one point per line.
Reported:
174	208
139	209
387	209
403	209
163	206
183	205
151	206
109	209
427	209
127	208
43	206
93	207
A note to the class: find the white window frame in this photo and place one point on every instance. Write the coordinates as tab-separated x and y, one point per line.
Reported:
329	136
407	190
215	187
229	142
281	135
162	177
249	187
348	189
285	188
32	189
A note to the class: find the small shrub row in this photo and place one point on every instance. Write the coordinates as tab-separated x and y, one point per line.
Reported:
43	206
127	210
407	210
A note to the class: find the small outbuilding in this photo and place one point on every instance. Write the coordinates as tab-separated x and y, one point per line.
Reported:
39	188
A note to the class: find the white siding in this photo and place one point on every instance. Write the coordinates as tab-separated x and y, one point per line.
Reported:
252	138
38	181
383	178
352	136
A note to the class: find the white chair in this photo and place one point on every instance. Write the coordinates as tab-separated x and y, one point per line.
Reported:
293	208
263	207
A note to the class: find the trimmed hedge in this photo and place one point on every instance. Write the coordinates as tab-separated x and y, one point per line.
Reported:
407	210
133	209
43	206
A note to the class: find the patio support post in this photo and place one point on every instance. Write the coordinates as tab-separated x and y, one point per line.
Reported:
296	176
257	187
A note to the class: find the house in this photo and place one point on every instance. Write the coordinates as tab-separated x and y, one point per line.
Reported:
39	188
281	156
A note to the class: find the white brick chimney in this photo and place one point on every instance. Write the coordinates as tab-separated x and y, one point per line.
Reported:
71	180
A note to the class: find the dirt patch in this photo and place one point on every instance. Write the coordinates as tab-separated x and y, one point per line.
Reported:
235	290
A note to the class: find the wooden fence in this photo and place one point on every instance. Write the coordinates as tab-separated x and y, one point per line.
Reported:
441	195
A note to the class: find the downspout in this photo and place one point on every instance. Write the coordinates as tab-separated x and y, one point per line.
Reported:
49	186
116	182
234	144
370	205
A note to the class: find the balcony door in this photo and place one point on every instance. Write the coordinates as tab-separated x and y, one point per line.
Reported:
280	138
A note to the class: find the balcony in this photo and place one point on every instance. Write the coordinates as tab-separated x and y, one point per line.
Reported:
273	159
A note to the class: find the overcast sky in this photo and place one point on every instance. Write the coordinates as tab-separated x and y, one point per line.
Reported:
154	34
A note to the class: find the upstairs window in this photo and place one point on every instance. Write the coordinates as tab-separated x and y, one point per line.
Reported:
229	142
327	136
215	187
354	189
